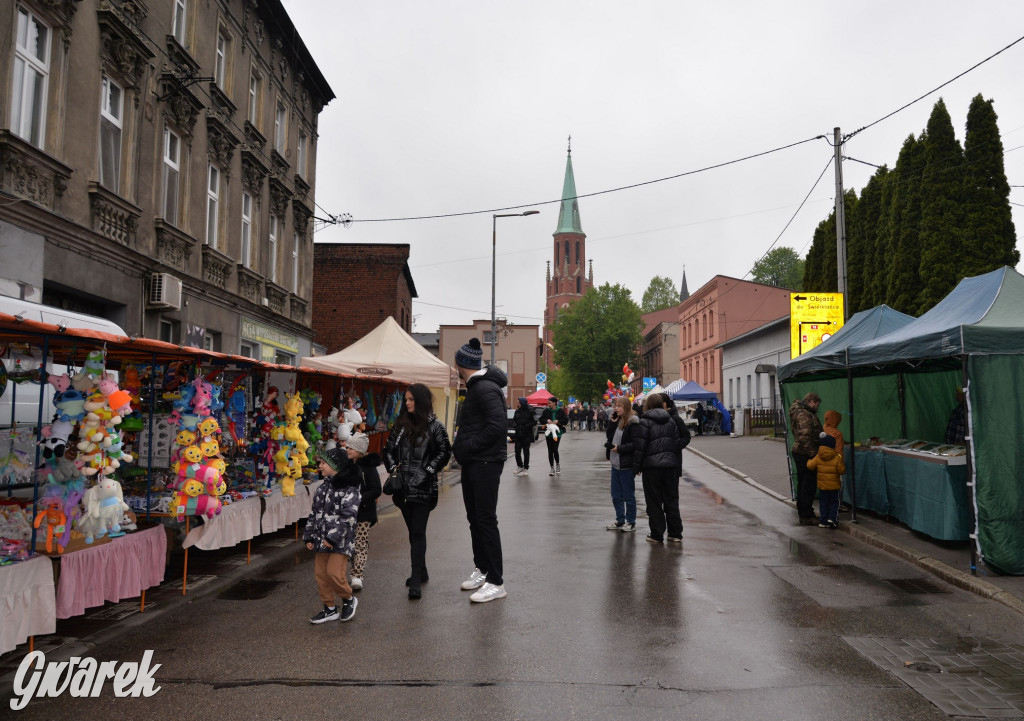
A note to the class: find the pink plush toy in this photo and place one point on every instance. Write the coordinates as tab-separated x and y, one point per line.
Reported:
61	383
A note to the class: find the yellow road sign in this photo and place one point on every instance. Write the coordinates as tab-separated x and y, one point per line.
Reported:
813	319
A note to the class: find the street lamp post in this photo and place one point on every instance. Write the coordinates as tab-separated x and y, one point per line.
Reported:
494	266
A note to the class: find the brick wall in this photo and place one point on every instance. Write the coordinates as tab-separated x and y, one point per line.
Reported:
355	287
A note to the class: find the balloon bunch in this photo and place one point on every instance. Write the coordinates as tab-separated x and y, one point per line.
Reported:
196	459
614	391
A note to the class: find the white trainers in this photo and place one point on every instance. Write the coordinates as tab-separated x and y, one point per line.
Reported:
614	526
489	592
552	472
628	527
356	583
558	469
475	580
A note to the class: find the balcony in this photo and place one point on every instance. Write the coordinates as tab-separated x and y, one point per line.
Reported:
216	267
113	217
250	284
276	296
298	309
29	173
173	247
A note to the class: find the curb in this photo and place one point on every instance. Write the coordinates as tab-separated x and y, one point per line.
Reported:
947	573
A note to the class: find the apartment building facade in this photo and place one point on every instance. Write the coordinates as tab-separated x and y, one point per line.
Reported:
158	165
517	352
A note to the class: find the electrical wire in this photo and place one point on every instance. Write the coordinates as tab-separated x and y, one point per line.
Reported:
934	90
599	192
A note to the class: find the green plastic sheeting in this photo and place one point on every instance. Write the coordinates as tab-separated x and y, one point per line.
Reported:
997	428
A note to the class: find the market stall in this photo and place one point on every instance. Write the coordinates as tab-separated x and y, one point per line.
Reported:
902	385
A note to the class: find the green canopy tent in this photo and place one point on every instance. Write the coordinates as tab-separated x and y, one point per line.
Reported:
973	338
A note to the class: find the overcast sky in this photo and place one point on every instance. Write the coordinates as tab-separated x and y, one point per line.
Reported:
450	107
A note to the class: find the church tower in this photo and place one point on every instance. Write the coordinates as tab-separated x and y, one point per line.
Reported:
572	274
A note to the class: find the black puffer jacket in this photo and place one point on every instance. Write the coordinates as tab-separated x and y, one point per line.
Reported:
370	489
524	422
657	443
482	423
420	462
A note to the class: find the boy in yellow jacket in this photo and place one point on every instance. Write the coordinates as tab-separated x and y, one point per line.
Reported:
829	465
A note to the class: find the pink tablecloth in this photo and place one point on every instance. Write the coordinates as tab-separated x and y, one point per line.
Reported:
26	601
123	568
237	522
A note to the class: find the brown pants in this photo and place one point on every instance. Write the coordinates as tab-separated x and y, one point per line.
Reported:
331	577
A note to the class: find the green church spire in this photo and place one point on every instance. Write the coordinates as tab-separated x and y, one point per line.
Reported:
569	211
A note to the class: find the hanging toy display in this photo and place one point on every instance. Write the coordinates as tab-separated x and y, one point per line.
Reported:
195	457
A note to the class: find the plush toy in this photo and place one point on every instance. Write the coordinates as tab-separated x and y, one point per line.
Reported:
104	508
61	383
210	448
552	431
185	438
95	365
287	486
55	438
70	405
208	427
53	514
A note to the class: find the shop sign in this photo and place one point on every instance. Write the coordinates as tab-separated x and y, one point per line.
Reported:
813	319
268	335
375	371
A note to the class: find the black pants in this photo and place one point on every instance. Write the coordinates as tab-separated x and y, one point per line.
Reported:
480	494
661	493
552	451
523	451
416	516
806	486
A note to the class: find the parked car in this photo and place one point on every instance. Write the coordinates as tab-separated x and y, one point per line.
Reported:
510	430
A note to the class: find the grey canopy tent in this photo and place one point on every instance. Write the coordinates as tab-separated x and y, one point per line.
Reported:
973	338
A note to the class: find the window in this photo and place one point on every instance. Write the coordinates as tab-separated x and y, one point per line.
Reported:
211	342
220	70
556	256
283	358
212	205
172	168
31	71
280	127
577	254
272	250
255	87
246	229
487	339
711	324
300	155
167	331
249	350
178	26
111	109
295	265
704	318
579	286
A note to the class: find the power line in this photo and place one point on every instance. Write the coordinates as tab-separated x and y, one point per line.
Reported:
934	90
482	313
599	192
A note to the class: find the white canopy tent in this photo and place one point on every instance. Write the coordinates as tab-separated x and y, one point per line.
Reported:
389	352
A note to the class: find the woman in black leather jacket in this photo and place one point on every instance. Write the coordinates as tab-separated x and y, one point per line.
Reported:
418	448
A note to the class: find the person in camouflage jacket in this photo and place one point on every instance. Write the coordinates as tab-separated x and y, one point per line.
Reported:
804	423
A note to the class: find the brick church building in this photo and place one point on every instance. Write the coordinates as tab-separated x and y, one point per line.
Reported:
572	275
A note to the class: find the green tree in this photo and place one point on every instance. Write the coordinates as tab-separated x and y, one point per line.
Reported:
940	240
781	267
903	254
990	240
660	294
593	337
863	233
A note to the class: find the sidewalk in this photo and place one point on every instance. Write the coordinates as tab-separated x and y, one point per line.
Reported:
762	463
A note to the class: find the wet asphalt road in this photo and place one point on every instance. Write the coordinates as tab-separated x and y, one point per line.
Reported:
746	621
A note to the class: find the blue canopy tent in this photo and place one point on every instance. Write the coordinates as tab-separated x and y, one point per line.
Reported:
693	392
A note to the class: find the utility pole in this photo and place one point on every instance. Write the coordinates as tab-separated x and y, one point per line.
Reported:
840	220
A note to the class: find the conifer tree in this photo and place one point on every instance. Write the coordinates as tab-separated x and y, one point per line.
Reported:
941	239
904	252
862	253
989	236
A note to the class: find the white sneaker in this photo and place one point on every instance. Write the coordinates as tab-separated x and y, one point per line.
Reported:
558	469
489	592
356	583
628	527
552	472
475	580
614	526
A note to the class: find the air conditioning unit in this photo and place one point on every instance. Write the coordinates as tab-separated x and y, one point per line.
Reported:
265	302
164	291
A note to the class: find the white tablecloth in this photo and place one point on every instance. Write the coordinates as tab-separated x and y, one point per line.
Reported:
237	522
306	502
123	568
27	601
280	511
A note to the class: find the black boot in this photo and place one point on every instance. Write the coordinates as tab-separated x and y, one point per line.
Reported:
424	577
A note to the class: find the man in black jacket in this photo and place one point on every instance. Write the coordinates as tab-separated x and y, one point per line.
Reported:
524	424
480	449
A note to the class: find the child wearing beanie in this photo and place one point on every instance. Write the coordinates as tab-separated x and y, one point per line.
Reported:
830	467
330	533
369	491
